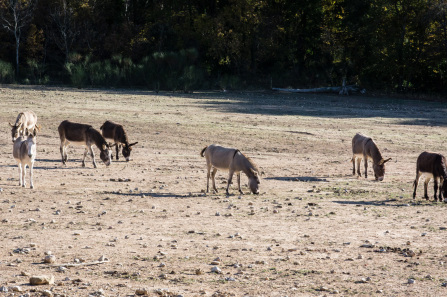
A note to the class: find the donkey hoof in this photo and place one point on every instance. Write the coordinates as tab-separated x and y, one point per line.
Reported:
31	187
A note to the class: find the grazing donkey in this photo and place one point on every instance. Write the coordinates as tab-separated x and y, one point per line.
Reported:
26	121
116	132
432	166
363	147
24	152
232	160
80	134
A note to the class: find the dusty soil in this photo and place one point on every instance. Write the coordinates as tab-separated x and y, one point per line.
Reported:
314	230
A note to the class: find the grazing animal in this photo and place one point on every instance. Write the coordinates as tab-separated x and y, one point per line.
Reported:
24	152
432	165
363	147
116	132
26	121
80	134
234	161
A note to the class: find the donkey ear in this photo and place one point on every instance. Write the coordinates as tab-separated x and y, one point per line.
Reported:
11	124
133	144
384	161
389	159
254	172
38	127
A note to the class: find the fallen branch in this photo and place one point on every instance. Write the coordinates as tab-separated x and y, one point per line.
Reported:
344	90
79	264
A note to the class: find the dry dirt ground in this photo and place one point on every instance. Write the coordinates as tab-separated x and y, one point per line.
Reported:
314	230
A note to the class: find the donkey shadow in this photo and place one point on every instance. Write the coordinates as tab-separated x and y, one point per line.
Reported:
298	178
386	202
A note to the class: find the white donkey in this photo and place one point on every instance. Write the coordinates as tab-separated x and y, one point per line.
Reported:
218	157
24	152
25	120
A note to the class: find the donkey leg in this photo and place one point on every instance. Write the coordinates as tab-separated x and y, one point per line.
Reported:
93	156
441	183
359	161
31	185
365	158
353	165
83	159
213	174
23	175
435	187
20	174
239	182
415	184
208	175
427	180
117	151
230	178
63	157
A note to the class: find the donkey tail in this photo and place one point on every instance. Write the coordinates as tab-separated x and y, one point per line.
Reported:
203	151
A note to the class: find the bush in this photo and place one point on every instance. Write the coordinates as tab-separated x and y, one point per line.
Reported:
6	72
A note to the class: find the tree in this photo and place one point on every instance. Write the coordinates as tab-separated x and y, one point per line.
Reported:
66	31
15	15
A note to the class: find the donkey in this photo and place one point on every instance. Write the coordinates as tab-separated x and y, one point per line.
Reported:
24	152
80	134
363	147
26	121
116	132
432	166
234	161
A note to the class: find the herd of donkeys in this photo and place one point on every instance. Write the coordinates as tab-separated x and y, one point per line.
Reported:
25	129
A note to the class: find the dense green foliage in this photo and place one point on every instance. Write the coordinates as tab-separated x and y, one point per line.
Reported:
393	45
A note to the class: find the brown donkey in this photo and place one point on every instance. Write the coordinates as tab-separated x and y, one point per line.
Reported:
116	132
432	166
363	147
86	135
218	157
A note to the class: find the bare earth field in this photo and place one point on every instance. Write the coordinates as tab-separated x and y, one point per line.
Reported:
315	230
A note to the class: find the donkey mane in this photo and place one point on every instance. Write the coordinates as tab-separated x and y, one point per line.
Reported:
97	138
252	164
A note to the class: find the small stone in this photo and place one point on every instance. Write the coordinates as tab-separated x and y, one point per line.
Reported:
47	293
216	269
16	289
50	259
199	271
215	263
41	280
142	291
411	281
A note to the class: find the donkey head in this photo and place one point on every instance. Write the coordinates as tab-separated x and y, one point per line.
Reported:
127	149
253	182
14	132
379	169
30	143
106	154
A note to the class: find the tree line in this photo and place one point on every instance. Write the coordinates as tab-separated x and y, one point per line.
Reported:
390	45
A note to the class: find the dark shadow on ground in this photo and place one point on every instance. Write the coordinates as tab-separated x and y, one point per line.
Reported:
155	195
387	202
412	112
299	178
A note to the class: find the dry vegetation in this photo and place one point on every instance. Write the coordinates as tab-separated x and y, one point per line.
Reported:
314	229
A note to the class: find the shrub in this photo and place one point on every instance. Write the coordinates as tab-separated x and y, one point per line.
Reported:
6	72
